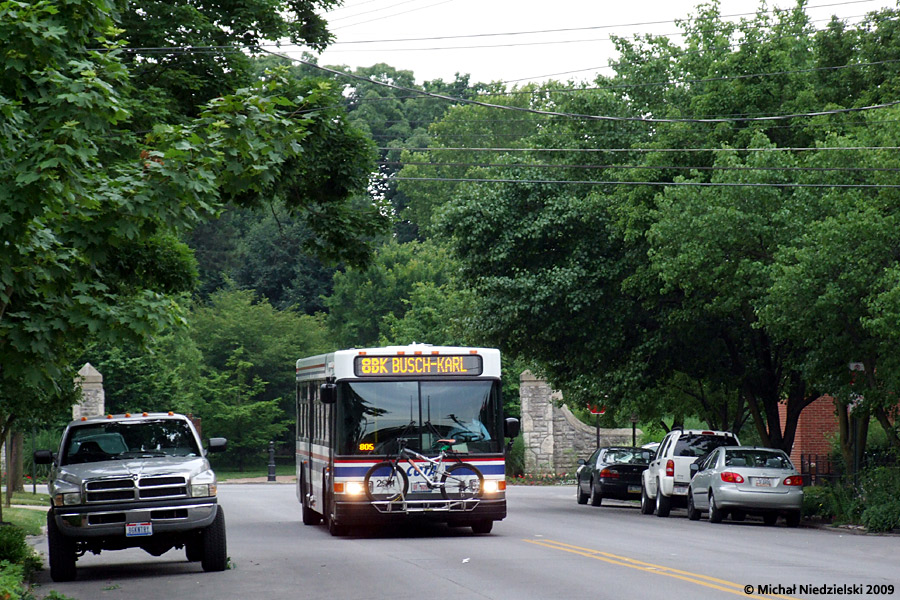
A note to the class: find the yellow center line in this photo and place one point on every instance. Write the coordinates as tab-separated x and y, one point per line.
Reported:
624	561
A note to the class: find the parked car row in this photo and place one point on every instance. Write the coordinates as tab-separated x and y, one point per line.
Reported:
700	470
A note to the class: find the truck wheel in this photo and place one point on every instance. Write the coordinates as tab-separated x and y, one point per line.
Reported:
215	551
62	553
663	503
193	548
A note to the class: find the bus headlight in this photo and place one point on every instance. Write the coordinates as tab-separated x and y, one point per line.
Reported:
491	486
355	488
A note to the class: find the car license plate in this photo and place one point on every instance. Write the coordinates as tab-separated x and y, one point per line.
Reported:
138	529
634	489
762	482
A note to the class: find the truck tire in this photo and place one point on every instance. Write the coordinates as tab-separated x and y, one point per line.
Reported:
215	551
62	553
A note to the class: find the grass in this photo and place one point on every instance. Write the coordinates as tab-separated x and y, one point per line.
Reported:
28	519
230	473
29	499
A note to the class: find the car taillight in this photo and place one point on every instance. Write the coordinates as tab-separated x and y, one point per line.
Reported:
729	477
670	468
794	480
609	474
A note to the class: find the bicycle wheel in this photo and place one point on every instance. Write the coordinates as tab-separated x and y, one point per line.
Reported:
386	482
462	482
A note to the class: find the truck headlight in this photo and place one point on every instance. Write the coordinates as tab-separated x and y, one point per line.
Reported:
67	499
202	490
203	485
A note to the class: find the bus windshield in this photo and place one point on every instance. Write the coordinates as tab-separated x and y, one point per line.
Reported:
374	414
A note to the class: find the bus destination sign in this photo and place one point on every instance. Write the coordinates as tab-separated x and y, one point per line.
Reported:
418	365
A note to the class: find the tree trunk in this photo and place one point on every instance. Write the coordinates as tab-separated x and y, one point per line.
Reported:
885	422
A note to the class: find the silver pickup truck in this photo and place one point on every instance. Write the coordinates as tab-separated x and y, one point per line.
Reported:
133	481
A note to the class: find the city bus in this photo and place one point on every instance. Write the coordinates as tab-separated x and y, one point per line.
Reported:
360	407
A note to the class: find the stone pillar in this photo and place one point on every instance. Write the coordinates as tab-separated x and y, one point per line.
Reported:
537	423
93	401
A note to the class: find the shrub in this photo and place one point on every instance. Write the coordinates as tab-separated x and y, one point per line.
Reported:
879	491
13	547
11	586
515	459
817	502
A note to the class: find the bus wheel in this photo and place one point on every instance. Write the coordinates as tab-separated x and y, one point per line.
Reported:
309	516
482	526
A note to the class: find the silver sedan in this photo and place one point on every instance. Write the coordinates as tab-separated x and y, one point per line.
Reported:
741	480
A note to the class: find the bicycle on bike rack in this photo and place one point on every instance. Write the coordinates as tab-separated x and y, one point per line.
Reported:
388	482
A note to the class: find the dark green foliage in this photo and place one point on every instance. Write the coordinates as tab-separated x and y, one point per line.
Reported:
13	547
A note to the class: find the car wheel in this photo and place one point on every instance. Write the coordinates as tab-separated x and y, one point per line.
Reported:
793	518
646	502
596	497
770	518
693	511
215	551
580	496
716	514
62	553
663	503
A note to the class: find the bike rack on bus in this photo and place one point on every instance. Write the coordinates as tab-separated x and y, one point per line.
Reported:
412	506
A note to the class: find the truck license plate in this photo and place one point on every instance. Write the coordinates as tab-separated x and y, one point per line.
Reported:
634	489
138	529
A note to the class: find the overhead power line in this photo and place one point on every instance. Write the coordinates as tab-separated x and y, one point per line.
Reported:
578	115
573	29
643	167
654	183
618	150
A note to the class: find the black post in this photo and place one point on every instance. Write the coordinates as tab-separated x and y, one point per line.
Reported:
597	422
271	461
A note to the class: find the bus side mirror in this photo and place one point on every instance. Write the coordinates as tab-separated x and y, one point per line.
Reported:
328	393
511	427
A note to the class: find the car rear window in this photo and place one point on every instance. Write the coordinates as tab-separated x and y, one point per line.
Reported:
697	445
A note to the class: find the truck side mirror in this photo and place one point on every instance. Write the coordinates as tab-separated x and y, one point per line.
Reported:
217	444
43	457
511	427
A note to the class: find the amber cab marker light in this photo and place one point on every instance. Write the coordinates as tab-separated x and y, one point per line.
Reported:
473	351
362	353
145	414
171	414
109	416
84	418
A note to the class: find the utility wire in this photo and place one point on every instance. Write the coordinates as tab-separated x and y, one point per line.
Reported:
592	28
619	150
584	116
653	183
642	167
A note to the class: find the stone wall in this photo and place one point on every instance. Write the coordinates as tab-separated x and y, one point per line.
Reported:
554	437
93	400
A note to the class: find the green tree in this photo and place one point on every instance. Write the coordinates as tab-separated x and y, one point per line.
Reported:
366	302
228	404
91	216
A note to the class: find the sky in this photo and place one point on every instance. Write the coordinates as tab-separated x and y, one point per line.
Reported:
371	31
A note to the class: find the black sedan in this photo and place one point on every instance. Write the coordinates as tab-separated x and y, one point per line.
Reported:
613	472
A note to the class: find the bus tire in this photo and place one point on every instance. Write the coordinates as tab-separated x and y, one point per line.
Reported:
386	482
308	515
482	527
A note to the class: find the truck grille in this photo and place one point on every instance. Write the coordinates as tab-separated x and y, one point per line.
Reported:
126	490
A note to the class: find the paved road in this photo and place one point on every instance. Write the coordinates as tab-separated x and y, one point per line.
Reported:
549	547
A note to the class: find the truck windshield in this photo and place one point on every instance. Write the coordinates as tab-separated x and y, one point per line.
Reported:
374	414
97	442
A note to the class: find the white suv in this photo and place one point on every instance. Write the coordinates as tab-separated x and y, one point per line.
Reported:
665	482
